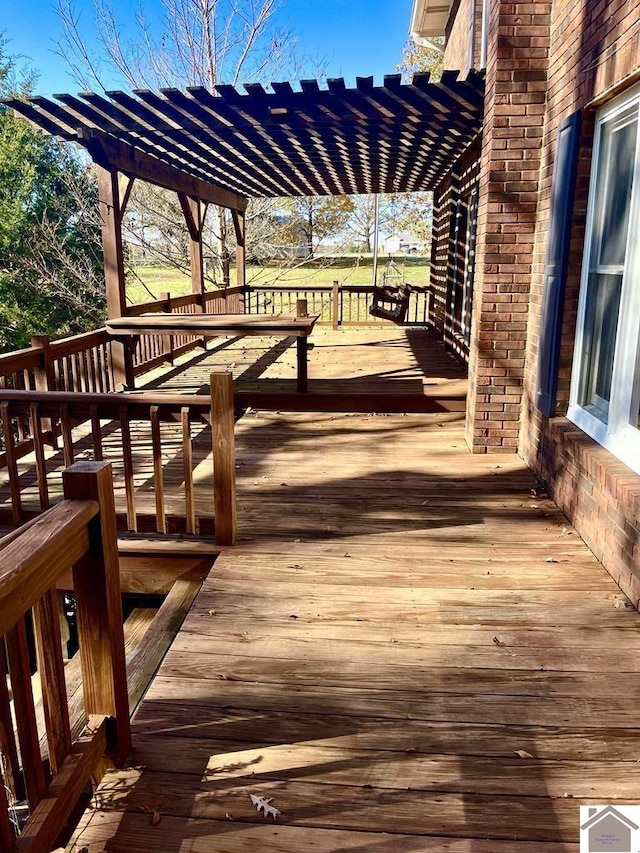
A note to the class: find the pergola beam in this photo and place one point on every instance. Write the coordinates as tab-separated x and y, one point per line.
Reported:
113	154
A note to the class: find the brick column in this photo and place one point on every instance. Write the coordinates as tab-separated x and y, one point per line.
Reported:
516	86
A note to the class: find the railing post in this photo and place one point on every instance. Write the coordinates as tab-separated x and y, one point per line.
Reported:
43	373
335	305
45	379
96	579
224	469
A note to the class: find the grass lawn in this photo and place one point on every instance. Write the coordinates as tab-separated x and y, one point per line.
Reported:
346	270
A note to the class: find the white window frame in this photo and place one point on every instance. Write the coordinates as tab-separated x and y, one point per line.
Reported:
617	435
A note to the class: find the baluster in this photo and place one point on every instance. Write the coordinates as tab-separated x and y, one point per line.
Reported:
12	463
91	367
67	437
68	383
158	478
127	457
19	671
96	433
187	456
12	775
46	623
38	448
97	369
18	384
7	835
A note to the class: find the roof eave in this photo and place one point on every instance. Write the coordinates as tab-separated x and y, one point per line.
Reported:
429	18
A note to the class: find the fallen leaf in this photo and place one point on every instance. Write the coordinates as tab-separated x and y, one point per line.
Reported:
262	804
212	613
522	753
293	616
550	560
498	642
156	817
228	816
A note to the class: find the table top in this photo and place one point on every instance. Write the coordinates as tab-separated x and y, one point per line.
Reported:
213	324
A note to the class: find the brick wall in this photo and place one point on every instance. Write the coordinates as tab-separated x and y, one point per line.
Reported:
456	53
447	253
517	61
594	54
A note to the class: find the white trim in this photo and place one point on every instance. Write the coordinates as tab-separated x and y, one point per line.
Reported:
617	429
429	18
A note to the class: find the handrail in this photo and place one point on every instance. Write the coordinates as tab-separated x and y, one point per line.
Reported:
17	360
34	561
338	304
172	302
148	412
78	533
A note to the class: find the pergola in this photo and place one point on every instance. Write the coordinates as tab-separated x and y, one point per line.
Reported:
221	148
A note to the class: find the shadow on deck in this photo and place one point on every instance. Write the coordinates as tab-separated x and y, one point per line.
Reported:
408	650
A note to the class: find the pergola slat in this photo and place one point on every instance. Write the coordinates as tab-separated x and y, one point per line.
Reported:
316	141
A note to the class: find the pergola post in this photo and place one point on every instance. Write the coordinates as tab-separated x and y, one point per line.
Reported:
194	213
111	212
239	225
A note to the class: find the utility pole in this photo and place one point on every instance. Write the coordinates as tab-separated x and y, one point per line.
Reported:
376	226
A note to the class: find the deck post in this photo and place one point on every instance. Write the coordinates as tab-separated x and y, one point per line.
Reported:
335	305
223	446
239	225
96	579
111	218
195	250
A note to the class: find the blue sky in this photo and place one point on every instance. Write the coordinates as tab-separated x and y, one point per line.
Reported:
355	37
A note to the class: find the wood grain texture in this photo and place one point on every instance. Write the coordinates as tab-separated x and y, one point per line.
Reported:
396	621
48	818
99	604
223	447
13	778
31	761
46	623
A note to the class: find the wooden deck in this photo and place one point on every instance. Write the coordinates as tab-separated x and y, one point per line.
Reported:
388	360
406	367
409	650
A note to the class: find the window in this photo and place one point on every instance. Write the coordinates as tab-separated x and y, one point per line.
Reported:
605	390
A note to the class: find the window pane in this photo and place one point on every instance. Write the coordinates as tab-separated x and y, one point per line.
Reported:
614	188
599	340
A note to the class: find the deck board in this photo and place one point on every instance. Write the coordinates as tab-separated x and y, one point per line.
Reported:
398	619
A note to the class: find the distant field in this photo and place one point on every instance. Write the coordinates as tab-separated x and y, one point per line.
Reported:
148	280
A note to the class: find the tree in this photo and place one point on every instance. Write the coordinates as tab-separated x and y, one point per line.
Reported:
50	254
312	219
363	218
413	213
179	43
183	43
418	58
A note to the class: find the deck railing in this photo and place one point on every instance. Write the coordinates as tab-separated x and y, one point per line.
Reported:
77	533
143	434
152	350
337	304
